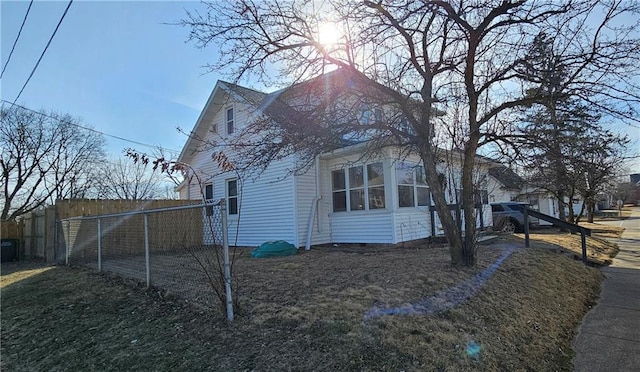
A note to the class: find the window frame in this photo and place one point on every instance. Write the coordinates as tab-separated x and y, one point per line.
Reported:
369	114
365	188
232	121
414	186
208	197
228	197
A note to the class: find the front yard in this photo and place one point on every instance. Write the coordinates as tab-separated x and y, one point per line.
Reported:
307	312
599	250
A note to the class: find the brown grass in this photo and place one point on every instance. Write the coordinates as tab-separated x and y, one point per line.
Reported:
604	230
305	312
612	215
599	250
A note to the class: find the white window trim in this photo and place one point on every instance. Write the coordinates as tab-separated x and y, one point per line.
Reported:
227	197
415	186
209	211
347	189
227	121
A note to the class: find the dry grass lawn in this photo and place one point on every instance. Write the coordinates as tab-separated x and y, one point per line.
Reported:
306	312
612	215
600	251
604	230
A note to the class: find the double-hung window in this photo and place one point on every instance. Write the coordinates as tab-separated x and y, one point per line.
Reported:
412	185
208	197
232	197
358	188
230	120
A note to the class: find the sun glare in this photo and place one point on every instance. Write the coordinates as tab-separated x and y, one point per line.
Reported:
328	33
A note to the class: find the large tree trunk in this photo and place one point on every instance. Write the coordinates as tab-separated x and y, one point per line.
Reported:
451	229
468	202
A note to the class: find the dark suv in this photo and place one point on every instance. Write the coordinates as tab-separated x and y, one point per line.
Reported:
508	217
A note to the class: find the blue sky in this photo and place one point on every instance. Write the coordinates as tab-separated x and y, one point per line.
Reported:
118	66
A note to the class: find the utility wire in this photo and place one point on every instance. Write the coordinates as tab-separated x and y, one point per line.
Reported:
91	129
44	51
16	40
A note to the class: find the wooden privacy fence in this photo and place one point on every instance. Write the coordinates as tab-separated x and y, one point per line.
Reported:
92	207
39	232
11	229
11	234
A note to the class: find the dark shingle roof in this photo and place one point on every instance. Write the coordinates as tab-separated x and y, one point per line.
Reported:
252	96
507	177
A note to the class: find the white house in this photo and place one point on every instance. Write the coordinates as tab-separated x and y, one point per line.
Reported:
506	185
342	197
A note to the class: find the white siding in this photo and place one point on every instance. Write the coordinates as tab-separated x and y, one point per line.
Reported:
412	223
266	203
497	193
362	227
266	206
306	193
201	161
547	206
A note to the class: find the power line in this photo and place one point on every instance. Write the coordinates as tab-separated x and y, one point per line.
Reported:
91	129
16	40
44	51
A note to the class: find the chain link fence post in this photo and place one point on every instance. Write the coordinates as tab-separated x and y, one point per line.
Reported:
67	243
146	249
99	244
225	258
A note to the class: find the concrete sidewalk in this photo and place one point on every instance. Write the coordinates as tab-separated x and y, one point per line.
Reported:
609	337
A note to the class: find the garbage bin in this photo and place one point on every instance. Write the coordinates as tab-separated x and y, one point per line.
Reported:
9	250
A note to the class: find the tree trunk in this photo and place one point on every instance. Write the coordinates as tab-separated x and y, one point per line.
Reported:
468	202
590	211
561	205
451	230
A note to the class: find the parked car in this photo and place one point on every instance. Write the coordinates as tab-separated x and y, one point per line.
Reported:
508	217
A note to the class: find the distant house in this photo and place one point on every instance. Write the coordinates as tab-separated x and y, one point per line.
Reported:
344	197
507	185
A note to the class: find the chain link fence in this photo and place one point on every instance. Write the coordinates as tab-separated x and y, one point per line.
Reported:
180	249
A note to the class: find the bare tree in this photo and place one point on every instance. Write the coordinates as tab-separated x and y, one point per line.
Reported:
44	157
124	179
418	60
628	192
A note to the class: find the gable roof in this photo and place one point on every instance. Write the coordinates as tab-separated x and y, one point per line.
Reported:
286	105
274	104
507	177
219	97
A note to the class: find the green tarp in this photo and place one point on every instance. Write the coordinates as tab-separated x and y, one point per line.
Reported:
275	248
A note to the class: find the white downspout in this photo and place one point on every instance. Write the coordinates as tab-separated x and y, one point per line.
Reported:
314	207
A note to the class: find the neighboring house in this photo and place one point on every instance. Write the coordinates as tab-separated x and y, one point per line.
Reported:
343	197
506	185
